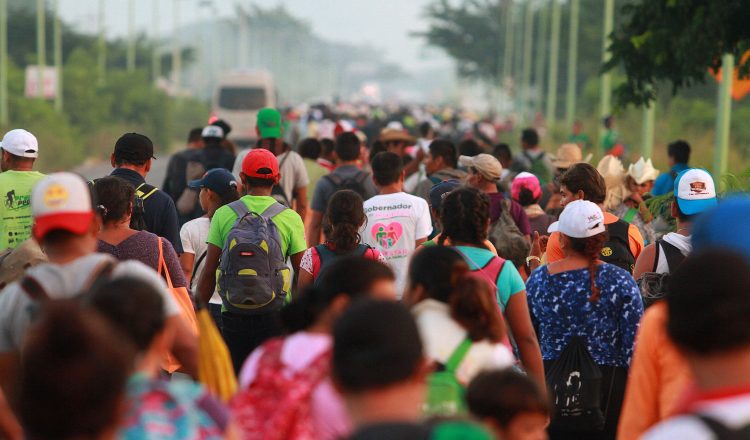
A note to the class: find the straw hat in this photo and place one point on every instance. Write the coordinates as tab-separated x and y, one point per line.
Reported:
389	134
613	172
643	171
568	155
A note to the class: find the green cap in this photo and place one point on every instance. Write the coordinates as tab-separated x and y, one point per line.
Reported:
269	123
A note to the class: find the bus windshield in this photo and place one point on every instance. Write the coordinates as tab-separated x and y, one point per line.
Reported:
242	98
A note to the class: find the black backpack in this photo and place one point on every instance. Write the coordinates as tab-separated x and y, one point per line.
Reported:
575	384
616	249
654	285
722	432
327	257
278	192
355	183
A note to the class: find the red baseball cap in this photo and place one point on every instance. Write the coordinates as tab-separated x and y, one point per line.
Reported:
260	163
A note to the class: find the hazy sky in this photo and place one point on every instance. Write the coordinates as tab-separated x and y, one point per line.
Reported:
385	24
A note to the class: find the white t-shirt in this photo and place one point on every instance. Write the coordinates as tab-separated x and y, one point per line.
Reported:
441	336
394	223
193	236
17	310
292	170
733	412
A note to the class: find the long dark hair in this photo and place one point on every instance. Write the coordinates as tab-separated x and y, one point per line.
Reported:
590	248
115	198
344	216
464	215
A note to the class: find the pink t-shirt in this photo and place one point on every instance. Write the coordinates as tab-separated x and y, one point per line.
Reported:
300	350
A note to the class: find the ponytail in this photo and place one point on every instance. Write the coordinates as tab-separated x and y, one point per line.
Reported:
344	216
590	248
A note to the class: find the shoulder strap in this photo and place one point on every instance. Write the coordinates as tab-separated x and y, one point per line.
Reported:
720	430
33	289
630	215
288	153
672	254
362	176
494	268
334	178
458	355
324	253
144	190
657	252
240	208
362	249
273	210
100	275
199	261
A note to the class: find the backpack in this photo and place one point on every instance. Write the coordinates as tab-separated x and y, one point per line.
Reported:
445	394
575	384
355	183
253	275
277	405
187	201
616	249
654	285
510	243
721	431
490	271
538	167
278	192
327	256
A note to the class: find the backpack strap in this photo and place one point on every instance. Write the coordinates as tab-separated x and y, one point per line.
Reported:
721	431
99	276
324	253
273	210
33	289
672	254
240	208
458	355
144	190
362	177
630	215
657	253
334	179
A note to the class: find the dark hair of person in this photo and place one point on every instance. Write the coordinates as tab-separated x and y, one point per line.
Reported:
680	151
327	146
681	216
18	159
708	304
345	214
469	147
607	121
530	137
375	333
501	395
584	177
195	135
347	146
472	304
437	269
591	248
464	216
351	276
132	306
115	197
377	147
387	168
502	152
425	128
229	197
309	148
257	182
526	197
445	149
73	374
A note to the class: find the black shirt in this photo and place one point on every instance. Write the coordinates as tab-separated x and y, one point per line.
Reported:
160	214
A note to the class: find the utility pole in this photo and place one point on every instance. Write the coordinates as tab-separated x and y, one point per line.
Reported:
508	52
102	45
155	57
723	116
176	52
57	31
605	91
528	41
570	95
131	36
4	63
40	45
647	141
541	55
554	47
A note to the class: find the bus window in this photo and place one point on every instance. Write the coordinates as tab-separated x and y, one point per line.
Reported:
242	98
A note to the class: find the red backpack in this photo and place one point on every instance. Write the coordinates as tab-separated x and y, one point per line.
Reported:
277	406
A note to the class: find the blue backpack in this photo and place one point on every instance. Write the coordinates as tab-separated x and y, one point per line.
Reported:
253	275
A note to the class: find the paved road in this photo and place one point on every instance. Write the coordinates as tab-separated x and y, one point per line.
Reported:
93	170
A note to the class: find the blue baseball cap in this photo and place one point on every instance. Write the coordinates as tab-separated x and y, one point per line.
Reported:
440	190
217	180
724	226
695	191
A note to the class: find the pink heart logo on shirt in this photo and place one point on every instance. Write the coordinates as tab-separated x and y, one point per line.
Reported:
387	235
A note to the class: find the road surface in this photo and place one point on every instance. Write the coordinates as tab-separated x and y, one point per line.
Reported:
93	170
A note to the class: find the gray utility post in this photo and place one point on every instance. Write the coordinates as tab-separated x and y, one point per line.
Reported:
4	63
57	31
41	47
570	94
554	48
605	90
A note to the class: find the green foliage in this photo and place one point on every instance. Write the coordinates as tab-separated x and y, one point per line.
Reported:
676	42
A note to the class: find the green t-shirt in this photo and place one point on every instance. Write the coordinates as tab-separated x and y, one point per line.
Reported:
15	211
290	226
508	283
581	139
610	139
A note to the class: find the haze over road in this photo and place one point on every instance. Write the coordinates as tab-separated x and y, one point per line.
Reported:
101	169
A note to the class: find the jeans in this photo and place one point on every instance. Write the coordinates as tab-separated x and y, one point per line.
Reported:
244	333
215	311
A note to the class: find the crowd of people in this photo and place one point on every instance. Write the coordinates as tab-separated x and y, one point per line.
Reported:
378	279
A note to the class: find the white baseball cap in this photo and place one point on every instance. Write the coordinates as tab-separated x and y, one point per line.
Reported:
580	219
21	143
212	131
61	201
695	191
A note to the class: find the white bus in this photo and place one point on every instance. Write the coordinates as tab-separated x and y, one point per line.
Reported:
238	97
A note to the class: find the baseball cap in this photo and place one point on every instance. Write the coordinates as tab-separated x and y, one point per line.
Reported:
580	219
724	226
528	181
486	164
217	180
225	127
260	163
269	123
440	190
21	143
212	131
695	191
61	201
134	147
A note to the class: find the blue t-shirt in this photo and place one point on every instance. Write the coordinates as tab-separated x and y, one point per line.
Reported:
665	182
508	283
560	309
